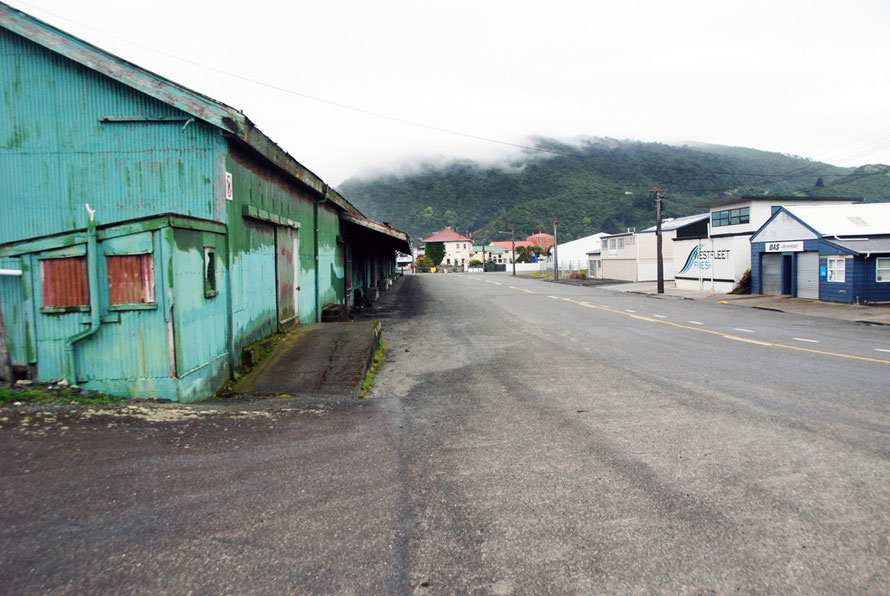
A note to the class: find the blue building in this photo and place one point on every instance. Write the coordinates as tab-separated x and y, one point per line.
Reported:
150	233
839	253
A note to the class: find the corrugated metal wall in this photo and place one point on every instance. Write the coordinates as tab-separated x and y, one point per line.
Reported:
13	315
201	318
57	155
252	248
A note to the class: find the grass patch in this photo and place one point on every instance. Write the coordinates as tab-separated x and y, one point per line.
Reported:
44	395
371	375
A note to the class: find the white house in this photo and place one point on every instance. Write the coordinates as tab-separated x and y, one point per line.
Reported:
457	247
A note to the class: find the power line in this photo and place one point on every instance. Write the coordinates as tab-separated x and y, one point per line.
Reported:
804	171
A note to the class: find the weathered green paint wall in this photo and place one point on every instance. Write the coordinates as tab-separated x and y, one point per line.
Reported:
55	154
252	248
201	318
330	259
13	315
130	346
131	352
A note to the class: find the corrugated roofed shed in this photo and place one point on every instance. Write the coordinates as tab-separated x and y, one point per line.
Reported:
205	235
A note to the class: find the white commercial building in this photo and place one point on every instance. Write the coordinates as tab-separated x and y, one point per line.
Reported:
573	255
633	256
714	258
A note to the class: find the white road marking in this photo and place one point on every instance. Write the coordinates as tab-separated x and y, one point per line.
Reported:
696	322
745	330
747	341
742	339
643	318
521	289
660	316
629	310
605	306
812	341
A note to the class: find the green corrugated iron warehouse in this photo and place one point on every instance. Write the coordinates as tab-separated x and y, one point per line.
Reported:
150	233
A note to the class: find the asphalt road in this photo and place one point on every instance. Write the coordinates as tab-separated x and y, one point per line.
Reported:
522	437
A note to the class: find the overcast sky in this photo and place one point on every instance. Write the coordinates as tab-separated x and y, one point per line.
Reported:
806	77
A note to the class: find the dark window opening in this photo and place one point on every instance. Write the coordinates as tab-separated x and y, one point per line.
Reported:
210	272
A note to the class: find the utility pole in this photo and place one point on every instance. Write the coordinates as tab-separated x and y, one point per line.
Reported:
659	195
513	244
555	259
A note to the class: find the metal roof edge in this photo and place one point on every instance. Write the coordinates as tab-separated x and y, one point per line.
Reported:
161	88
364	222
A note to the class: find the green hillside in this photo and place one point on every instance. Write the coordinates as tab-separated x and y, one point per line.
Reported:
599	185
871	182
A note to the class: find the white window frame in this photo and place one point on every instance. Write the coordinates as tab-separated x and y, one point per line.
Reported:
837	274
885	277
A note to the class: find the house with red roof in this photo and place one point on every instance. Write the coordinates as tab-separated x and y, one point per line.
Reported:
457	247
545	241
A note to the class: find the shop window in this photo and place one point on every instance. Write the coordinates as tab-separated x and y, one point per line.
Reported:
65	282
131	279
837	270
882	269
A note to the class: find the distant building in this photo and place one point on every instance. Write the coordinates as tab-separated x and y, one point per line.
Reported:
573	256
714	257
545	241
633	256
839	253
540	240
457	247
490	253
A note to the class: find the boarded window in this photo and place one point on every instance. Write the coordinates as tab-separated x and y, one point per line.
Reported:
65	282
131	279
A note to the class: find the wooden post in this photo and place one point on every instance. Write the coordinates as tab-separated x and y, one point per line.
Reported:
5	360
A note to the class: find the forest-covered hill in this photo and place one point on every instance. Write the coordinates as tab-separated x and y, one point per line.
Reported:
596	185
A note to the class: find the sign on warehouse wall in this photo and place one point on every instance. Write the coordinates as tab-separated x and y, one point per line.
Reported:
785	246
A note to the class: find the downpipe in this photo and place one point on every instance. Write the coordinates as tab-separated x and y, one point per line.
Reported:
93	282
321	201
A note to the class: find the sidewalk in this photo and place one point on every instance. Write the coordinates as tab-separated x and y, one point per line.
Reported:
318	360
872	315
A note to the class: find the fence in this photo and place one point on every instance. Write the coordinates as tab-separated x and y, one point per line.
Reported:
566	268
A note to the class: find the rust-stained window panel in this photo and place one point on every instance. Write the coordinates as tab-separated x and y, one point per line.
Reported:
131	279
65	282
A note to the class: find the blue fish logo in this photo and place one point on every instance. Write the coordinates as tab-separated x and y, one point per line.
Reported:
691	258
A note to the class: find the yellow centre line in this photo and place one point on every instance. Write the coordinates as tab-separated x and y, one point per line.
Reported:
720	333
